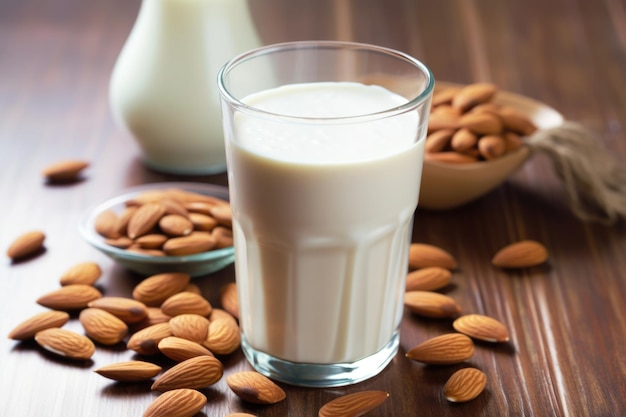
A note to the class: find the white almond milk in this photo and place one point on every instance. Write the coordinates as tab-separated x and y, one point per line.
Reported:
322	221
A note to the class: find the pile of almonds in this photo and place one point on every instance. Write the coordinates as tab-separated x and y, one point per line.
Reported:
466	125
431	271
168	222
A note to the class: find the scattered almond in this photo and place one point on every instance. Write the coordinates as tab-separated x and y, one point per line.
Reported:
229	299
86	273
186	303
154	316
197	372
131	371
465	385
428	279
422	255
224	337
146	341
26	244
353	405
63	171
523	254
431	304
69	297
446	349
155	289
102	326
255	388
48	319
190	326
481	327
177	403
179	349
65	343
126	309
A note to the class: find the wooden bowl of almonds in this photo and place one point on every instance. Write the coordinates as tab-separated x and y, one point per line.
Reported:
476	140
164	227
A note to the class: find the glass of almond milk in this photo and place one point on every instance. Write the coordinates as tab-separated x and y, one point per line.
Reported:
324	145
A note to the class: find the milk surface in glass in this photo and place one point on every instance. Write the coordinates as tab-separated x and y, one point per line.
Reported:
322	220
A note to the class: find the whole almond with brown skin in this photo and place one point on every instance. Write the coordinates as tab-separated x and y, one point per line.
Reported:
446	349
438	140
444	96
431	304
131	371
48	319
102	326
472	95
450	158
106	224
523	254
255	388
422	255
63	171
197	372
146	252
463	140
223	214
223	237
430	278
126	309
202	222
144	219
190	326
175	225
86	273
154	316
173	206
481	327
179	349
465	385
155	289
151	241
481	123
229	299
195	242
121	242
65	343
121	225
69	297
177	403
224	337
146	341
353	405
442	120
491	146
186	303
26	244
219	314
514	120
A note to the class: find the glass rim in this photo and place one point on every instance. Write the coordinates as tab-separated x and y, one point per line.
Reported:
411	104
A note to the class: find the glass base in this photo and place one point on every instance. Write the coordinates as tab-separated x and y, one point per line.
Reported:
321	375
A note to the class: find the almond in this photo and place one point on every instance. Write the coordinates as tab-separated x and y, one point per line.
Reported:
126	309
105	224
224	337
144	219
442	120
86	273
146	252
121	225
353	405
223	214
26	244
482	328
151	241
450	158
193	243
472	95
131	371
201	207
444	96
121	242
523	254
190	326
219	314
465	385
463	140
69	297
197	372
65	343
102	326
154	316
481	123
223	237
428	279
193	288
431	304
186	303
67	170
438	140
177	403
175	225
146	341
174	207
255	388
423	255
41	321
446	349
202	222
514	120
491	146
155	289
229	299
179	349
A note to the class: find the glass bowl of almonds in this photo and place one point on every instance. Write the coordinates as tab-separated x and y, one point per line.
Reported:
476	140
164	227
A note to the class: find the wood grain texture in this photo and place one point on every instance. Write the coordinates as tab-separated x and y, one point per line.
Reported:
566	318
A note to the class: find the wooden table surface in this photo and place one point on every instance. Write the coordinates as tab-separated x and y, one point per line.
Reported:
567	354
